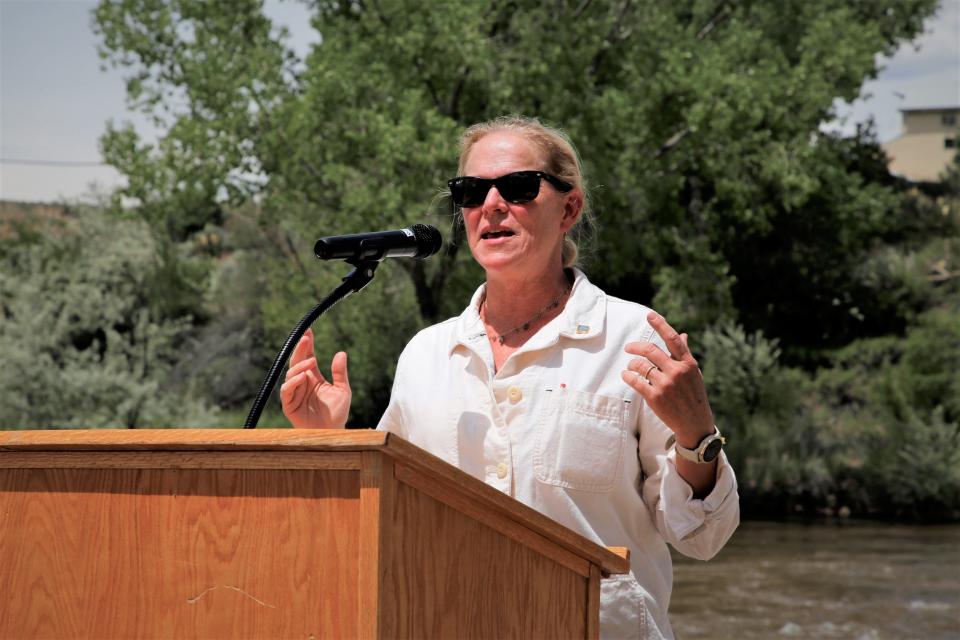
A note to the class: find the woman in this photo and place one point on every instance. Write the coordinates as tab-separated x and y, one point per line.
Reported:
573	402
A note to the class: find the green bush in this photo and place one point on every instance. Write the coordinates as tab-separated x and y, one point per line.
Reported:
896	401
875	431
84	343
780	459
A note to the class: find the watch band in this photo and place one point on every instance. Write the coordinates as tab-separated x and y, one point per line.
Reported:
707	450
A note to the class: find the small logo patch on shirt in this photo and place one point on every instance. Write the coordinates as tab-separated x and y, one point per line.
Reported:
583	328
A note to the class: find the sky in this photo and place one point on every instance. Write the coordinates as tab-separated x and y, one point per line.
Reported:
55	98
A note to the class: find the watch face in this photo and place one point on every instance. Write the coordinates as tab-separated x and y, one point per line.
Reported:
712	450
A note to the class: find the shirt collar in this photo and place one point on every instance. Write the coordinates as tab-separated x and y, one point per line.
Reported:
469	329
582	317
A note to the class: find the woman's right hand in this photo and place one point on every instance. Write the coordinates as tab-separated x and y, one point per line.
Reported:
309	401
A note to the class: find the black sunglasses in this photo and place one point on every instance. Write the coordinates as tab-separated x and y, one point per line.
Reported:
518	187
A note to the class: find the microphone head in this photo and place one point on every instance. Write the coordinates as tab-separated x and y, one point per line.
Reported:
428	240
418	241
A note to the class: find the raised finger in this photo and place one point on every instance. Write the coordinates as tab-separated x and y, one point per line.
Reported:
678	349
638	383
300	367
338	371
304	348
650	351
644	367
292	393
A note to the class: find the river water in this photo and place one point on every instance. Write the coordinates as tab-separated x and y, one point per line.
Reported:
851	580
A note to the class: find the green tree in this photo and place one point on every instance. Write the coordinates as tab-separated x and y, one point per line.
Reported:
698	121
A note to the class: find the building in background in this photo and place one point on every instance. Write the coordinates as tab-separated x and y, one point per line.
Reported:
927	145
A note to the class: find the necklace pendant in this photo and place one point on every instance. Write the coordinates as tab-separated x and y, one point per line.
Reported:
500	339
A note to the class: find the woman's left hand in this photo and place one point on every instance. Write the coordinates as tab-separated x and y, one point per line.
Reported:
671	383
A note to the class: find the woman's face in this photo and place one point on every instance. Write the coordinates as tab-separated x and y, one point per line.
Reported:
519	241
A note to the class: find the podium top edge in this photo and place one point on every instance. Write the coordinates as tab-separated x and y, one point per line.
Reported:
193	440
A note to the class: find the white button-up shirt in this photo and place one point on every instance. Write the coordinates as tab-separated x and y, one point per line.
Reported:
558	429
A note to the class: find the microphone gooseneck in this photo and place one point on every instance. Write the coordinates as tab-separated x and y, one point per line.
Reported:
364	251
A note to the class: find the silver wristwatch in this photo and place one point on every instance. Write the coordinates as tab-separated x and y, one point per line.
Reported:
706	452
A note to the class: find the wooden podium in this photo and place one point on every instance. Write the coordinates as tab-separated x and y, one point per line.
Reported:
276	534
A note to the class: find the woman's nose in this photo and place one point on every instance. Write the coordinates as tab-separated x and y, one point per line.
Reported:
494	201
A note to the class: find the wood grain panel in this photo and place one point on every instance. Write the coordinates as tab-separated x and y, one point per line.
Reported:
593	603
178	460
376	505
498	503
440	582
316	440
192	439
452	497
177	553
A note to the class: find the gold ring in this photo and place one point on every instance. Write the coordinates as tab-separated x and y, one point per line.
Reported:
647	372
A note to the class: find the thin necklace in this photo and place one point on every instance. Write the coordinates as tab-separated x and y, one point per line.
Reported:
526	325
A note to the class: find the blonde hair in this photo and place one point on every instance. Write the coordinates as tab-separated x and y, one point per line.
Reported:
561	160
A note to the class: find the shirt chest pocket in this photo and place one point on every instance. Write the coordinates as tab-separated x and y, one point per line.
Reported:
580	440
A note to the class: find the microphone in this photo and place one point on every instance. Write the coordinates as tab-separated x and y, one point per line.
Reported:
419	241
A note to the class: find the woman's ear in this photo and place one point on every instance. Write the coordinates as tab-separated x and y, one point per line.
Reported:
572	208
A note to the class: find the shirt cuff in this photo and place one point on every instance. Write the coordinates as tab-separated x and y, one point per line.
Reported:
683	513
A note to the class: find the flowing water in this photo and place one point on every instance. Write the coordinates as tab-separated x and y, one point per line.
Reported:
850	580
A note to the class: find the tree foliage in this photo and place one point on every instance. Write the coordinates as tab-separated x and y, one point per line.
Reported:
697	121
875	429
85	342
790	251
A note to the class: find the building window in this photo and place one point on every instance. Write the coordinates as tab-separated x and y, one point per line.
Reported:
949	143
949	119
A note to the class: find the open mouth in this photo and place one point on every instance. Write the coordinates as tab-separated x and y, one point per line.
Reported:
503	233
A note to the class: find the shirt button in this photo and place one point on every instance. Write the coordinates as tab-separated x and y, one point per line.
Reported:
501	471
514	394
